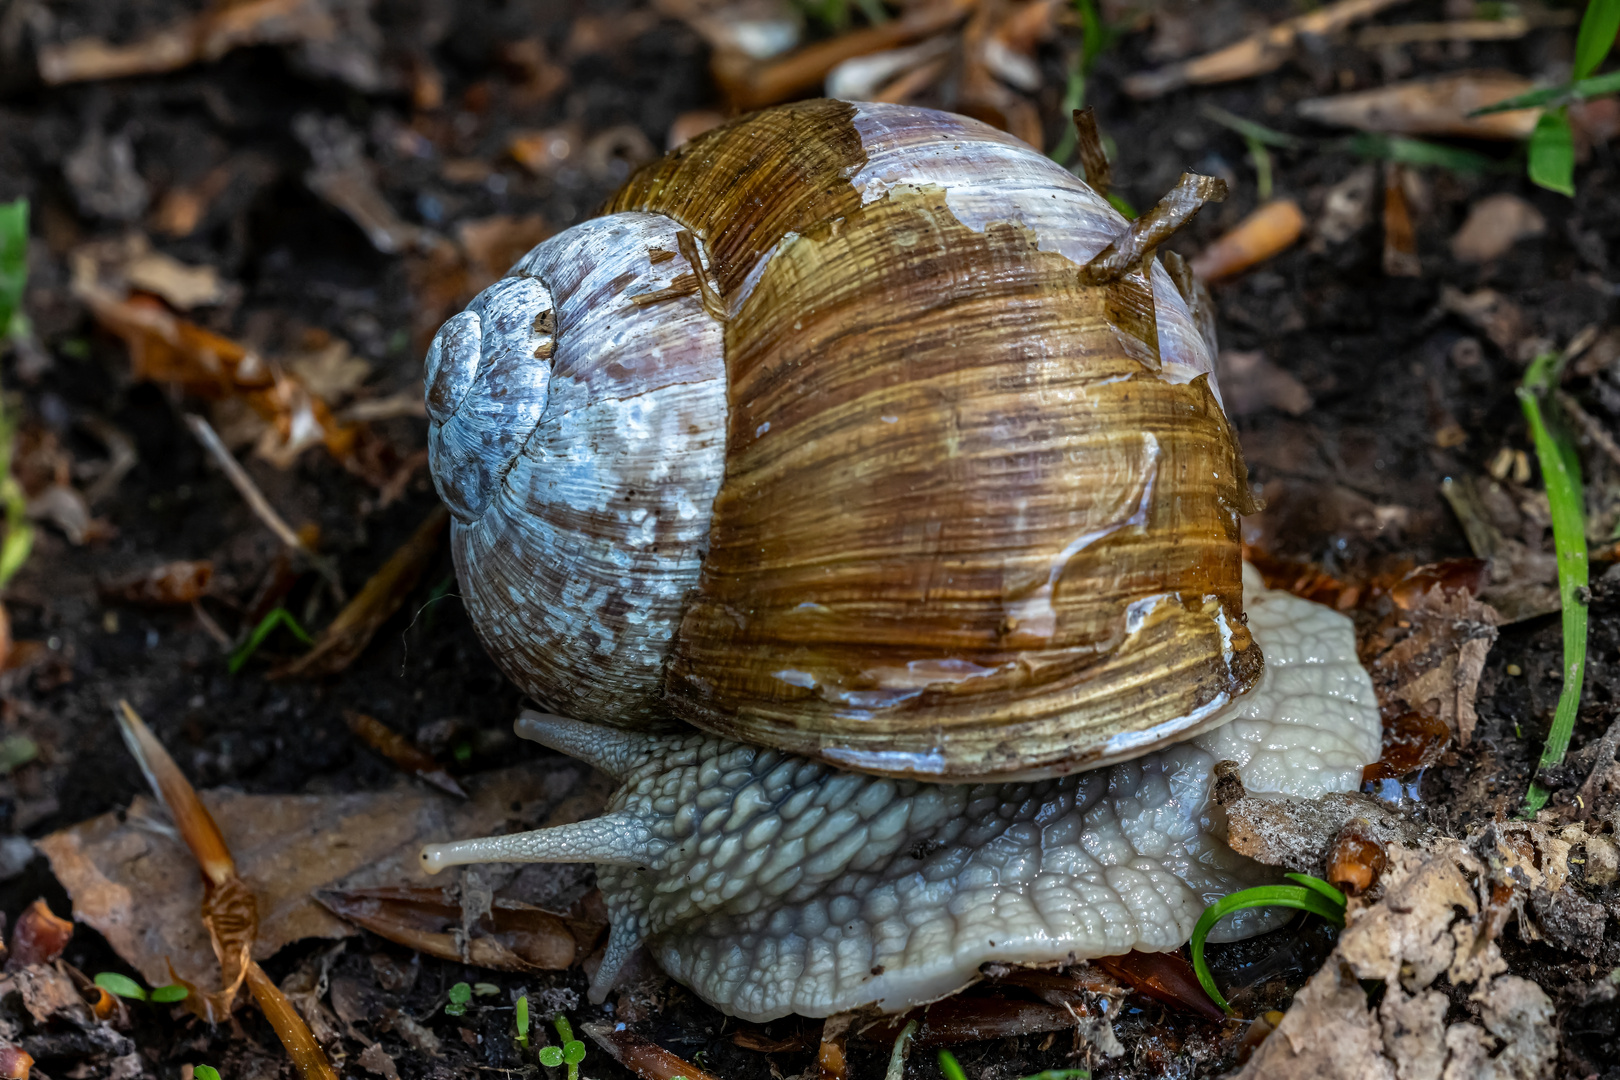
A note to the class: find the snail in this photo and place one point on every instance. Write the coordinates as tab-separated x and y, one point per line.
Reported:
856	490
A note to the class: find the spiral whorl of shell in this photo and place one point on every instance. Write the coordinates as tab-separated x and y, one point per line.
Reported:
836	439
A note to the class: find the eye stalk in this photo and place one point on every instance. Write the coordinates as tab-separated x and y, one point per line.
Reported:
487	380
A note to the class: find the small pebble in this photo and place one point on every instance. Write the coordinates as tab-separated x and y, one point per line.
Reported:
1515	670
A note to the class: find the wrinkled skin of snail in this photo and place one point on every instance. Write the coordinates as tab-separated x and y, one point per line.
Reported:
772	884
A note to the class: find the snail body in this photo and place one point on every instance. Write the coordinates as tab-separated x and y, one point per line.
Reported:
881	451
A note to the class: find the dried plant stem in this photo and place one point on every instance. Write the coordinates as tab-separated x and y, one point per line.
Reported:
1561	473
229	911
211	442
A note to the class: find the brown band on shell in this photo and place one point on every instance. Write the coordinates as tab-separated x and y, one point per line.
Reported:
743	186
1153	228
987	547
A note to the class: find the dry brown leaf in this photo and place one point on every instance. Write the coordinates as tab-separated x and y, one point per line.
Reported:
1250	383
401	751
40	935
205	37
753	84
1260	52
1430	655
1439	106
132	879
166	348
347	635
510	936
1400	239
1264	234
1409	939
641	1056
178	582
1495	223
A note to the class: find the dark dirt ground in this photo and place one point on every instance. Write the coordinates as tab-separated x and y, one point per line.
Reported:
1353	482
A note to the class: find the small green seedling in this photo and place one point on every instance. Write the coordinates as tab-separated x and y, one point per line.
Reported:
1561	473
267	626
460	994
13	261
570	1053
205	1072
950	1066
522	1021
1551	150
1310	894
125	987
1095	37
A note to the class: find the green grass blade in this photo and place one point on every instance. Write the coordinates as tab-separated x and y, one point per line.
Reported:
1561	473
1320	886
281	617
1249	129
1418	152
13	259
1291	896
1579	90
1552	153
1596	36
950	1066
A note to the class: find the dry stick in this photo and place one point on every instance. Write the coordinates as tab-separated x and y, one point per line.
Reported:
1591	426
1093	158
229	911
205	433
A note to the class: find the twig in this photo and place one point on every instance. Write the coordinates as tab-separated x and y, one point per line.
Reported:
1590	425
205	433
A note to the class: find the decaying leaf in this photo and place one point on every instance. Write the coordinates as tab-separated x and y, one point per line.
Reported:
131	878
641	1056
178	582
1429	655
401	751
207	36
39	936
1439	106
1260	52
1437	919
1264	234
510	936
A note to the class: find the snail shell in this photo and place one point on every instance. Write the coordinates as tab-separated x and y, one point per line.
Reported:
862	432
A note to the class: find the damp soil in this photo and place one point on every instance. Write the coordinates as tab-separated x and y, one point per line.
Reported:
1353	483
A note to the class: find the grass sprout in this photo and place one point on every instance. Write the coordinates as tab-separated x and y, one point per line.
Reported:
267	626
1550	152
1095	37
1561	473
950	1066
1308	894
